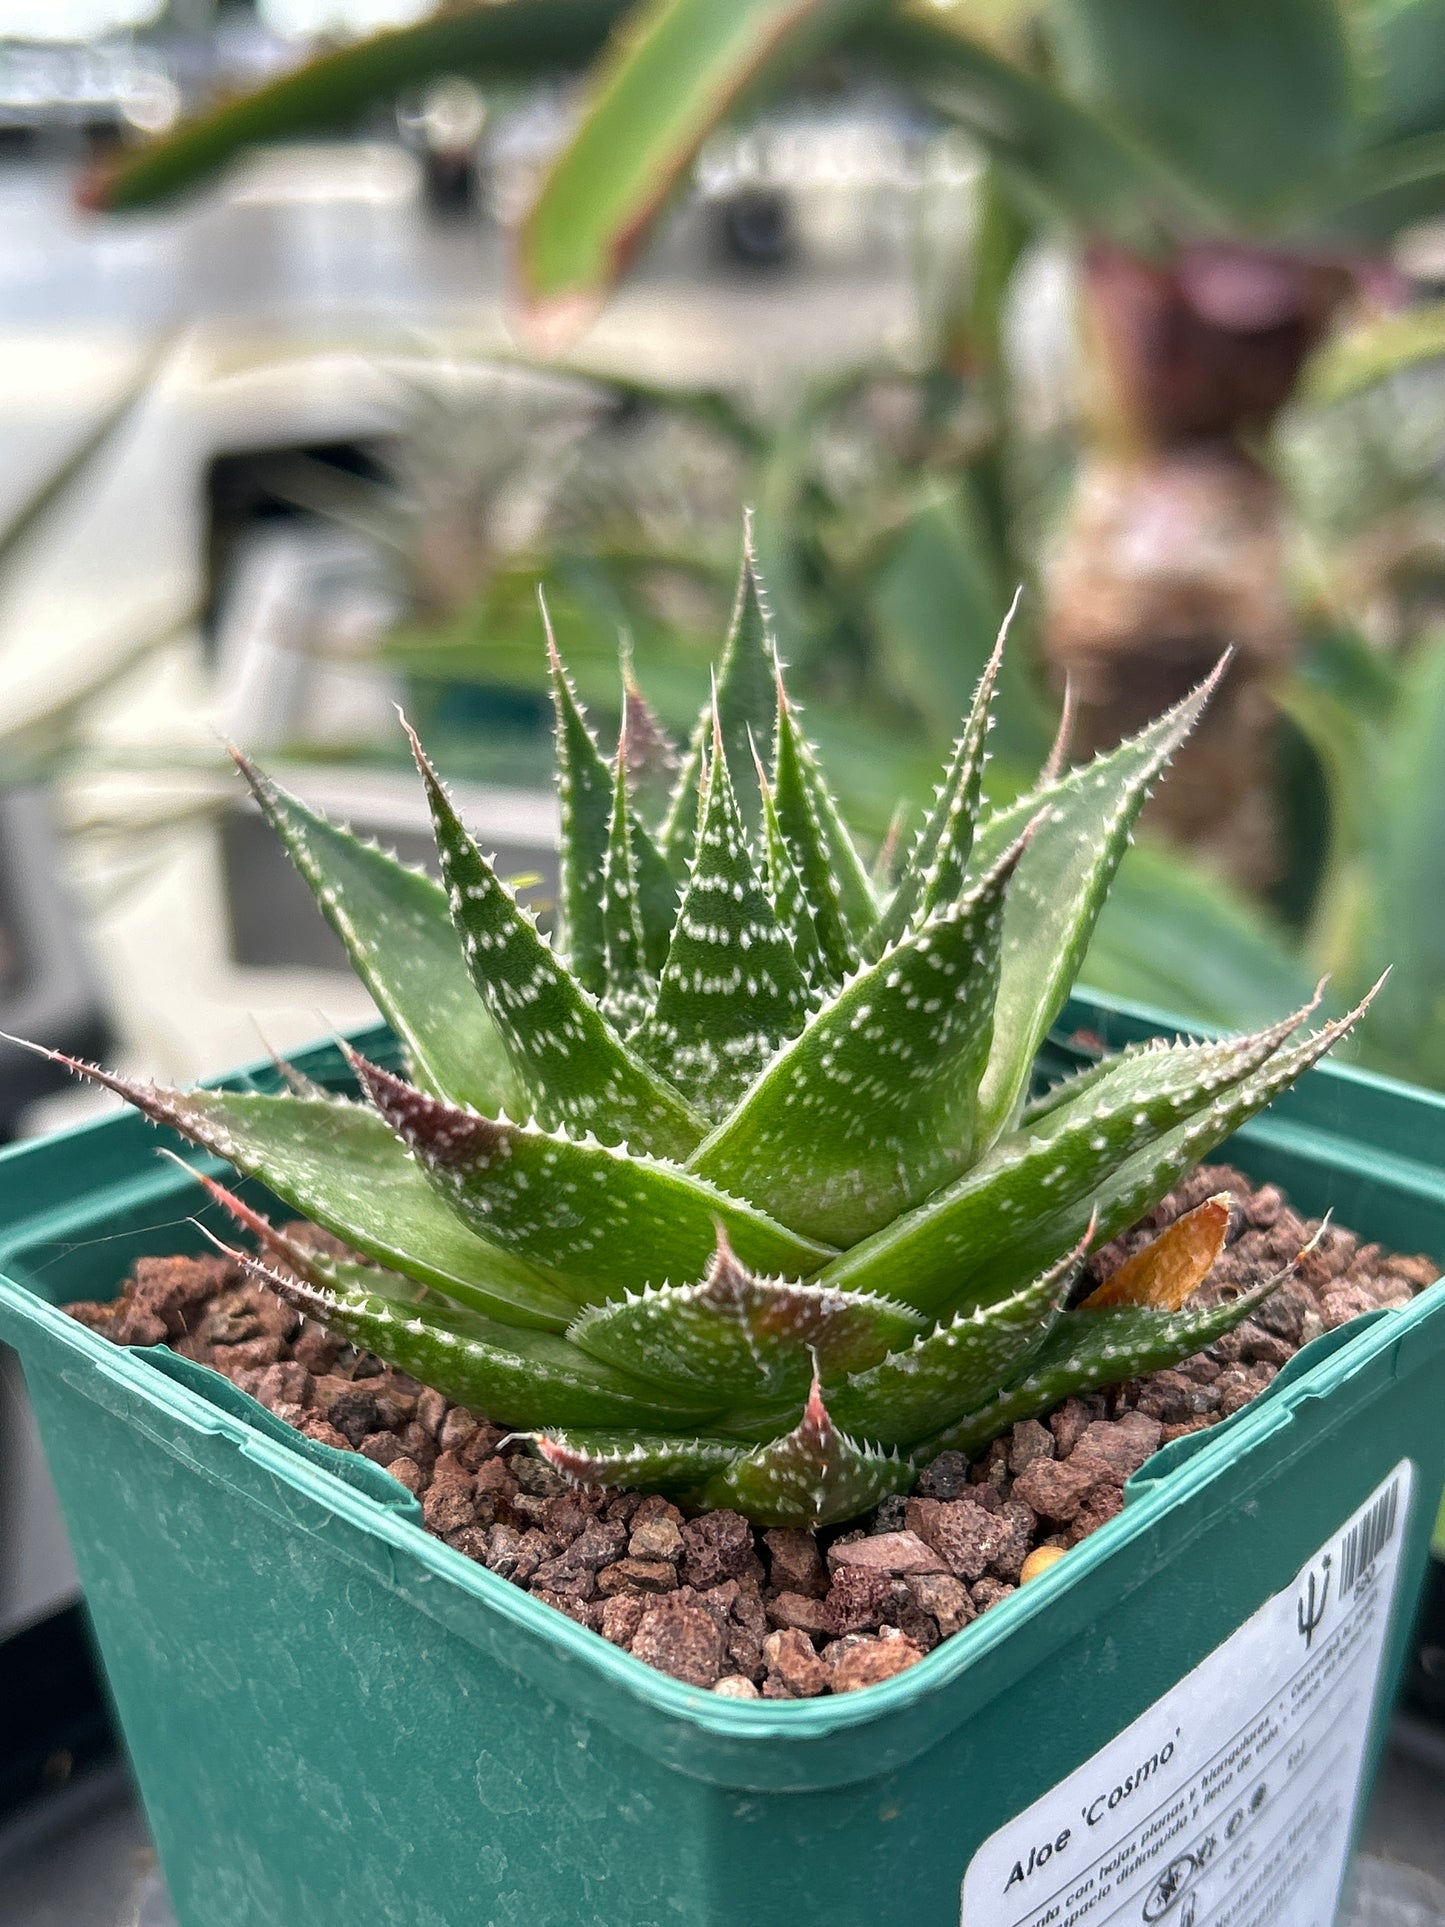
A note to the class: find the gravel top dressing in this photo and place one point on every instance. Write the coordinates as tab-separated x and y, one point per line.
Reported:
781	1614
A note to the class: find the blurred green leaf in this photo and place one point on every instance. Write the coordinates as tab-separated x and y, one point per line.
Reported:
1405	839
498	39
680	68
1074	161
938	601
1253	100
1375	351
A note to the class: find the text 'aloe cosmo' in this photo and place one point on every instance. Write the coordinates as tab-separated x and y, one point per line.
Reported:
735	1188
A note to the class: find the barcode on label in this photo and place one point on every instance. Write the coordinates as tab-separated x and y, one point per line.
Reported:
1367	1539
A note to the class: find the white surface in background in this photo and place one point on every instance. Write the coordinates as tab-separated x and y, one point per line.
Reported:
73	19
302	19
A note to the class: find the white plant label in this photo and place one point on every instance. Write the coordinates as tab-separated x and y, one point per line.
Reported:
1229	1803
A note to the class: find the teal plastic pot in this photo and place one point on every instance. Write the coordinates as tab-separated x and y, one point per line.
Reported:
334	1717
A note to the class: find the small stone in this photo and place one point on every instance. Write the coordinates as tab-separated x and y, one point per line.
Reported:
536	1477
431	1409
795	1563
1116	1447
382	1448
1056	1488
656	1538
472	1542
447	1506
991	1473
316	1427
680	1640
621	1617
945	1599
408	1473
1185	1427
354	1414
574	1569
1039	1561
733	1686
873	1661
479	1446
419	1444
1021	1524
804	1614
1258	1346
789	1655
718	1546
504	1551
574	1605
456	1428
564	1518
834	1651
859	1600
652	1505
1095	1513
945	1477
1068	1426
316	1349
988	1592
890	1552
1029	1441
1417	1272
966	1534
638	1575
1172	1397
888	1514
1283	1313
284	1384
1263	1207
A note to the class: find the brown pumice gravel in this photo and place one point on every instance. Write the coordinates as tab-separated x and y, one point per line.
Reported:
779	1614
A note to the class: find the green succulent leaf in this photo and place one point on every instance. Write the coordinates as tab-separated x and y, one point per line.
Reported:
585	787
834	880
595	1218
570	1062
652	759
651	1460
399	935
731	989
1139	1182
742	709
657	897
934	875
743	1337
785	887
1088	1350
1088	817
871	1108
814	1475
628	986
339	1165
956	1367
514	1376
1034	1191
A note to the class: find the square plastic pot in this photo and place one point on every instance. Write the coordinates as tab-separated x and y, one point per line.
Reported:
335	1717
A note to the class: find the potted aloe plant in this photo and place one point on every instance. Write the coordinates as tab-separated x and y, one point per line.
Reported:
743	1190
